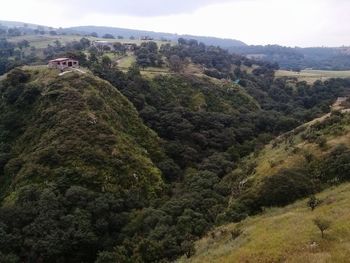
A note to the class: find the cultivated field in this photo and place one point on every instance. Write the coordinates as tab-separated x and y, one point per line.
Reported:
311	76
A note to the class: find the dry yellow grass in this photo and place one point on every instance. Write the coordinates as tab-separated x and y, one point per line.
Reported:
285	235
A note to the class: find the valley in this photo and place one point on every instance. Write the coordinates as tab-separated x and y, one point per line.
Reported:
167	151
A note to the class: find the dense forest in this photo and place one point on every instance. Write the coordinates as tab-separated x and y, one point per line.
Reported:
115	166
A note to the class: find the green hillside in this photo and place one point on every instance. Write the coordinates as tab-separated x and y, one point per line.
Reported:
307	160
74	126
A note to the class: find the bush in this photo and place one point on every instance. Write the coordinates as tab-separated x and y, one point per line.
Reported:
285	187
236	232
336	167
322	224
313	202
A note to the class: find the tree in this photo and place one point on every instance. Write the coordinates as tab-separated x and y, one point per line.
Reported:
14	32
313	202
236	232
322	224
85	42
175	63
21	45
106	62
110	36
188	247
94	34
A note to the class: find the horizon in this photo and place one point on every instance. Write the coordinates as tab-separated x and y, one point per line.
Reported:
317	23
180	35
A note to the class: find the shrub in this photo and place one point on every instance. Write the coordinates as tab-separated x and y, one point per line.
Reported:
322	224
188	247
285	187
236	232
313	202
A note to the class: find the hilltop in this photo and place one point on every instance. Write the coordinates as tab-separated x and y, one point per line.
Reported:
74	121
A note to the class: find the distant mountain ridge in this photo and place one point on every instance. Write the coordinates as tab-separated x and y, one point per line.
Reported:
126	33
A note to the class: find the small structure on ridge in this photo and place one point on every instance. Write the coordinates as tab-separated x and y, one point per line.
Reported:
63	63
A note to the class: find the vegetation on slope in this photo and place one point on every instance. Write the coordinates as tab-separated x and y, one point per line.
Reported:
302	162
75	161
80	123
284	234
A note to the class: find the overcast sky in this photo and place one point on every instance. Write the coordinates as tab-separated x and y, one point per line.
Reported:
284	22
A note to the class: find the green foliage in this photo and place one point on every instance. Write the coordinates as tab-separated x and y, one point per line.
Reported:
188	247
86	130
236	232
147	55
335	168
313	202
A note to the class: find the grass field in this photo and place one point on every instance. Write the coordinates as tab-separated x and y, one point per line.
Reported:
311	76
285	235
126	61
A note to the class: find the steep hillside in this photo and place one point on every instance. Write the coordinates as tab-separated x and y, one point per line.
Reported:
73	127
284	235
303	162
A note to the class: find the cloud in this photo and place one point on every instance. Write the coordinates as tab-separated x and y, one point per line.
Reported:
144	8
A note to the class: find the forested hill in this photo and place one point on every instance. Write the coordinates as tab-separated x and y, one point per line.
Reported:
75	129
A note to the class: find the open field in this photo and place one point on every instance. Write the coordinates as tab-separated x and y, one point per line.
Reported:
285	234
311	76
126	61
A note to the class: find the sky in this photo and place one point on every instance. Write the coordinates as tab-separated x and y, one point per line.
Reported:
301	23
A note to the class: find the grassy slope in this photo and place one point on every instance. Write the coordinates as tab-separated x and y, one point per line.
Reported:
84	125
285	234
287	150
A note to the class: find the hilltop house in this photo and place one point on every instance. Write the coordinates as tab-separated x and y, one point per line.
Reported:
63	63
